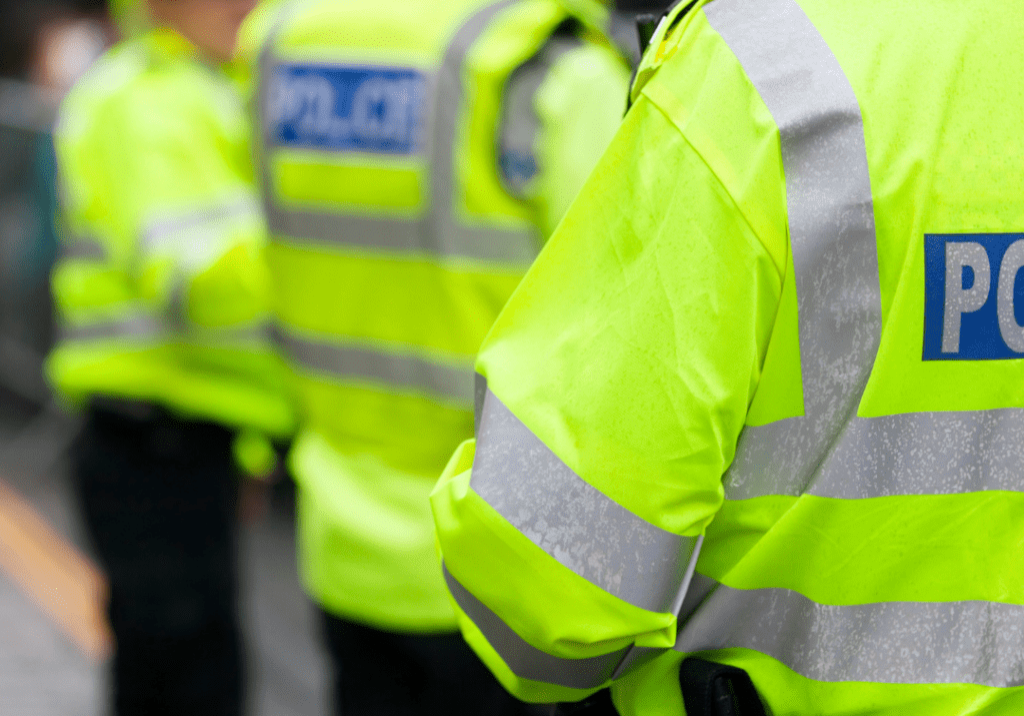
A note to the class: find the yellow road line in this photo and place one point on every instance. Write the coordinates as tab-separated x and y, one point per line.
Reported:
51	572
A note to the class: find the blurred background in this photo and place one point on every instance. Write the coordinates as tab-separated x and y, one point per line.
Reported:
53	639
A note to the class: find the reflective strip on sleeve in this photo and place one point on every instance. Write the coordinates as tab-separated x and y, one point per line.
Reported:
250	335
446	380
133	327
970	642
440	234
577	525
83	248
183	227
527	661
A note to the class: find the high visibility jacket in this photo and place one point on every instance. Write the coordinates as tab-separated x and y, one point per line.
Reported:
791	362
162	294
130	16
252	35
415	162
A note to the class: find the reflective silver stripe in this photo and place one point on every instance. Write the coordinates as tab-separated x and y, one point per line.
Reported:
181	227
149	327
831	226
131	327
280	222
971	642
581	528
527	661
307	226
83	248
520	246
449	381
248	335
914	454
440	234
479	397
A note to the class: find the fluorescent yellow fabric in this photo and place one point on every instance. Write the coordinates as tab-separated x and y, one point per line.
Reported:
170	306
255	29
370	451
254	454
575	105
355	509
612	336
130	15
661	320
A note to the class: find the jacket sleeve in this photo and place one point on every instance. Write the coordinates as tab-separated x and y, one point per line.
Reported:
162	186
185	207
561	109
579	106
611	392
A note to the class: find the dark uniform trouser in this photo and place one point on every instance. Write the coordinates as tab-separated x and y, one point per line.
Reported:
158	496
378	673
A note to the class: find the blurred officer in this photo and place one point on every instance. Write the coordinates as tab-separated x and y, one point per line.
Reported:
793	348
416	159
161	299
251	37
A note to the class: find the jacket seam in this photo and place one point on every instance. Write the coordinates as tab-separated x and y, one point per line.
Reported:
739	209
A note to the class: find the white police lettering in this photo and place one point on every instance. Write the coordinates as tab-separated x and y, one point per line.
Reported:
1011	331
340	108
382	109
307	101
973	302
958	299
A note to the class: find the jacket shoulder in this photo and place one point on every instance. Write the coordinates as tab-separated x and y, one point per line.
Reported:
126	93
108	77
663	42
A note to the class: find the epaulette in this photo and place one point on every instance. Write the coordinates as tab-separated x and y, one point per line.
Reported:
657	41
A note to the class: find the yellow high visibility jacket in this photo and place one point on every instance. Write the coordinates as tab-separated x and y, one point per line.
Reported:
414	163
776	417
251	36
162	292
130	16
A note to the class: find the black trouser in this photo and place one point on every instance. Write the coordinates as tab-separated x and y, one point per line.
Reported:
158	496
379	673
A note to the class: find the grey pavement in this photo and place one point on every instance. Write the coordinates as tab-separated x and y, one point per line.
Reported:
42	673
287	665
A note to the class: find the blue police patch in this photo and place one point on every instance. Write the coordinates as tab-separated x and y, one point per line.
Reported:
974	298
347	109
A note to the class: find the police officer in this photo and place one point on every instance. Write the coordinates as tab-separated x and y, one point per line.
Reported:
161	298
251	36
416	158
775	416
